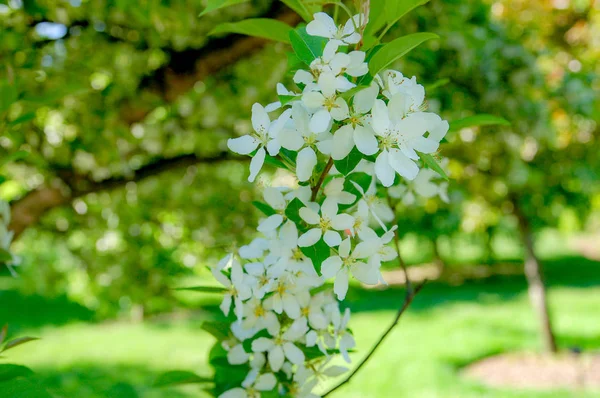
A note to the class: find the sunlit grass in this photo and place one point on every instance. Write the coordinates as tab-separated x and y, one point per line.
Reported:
446	328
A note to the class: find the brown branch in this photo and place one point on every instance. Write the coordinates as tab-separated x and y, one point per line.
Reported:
397	242
315	189
29	209
188	67
410	295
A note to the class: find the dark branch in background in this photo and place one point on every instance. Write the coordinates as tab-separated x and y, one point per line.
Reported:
178	77
190	66
29	209
410	295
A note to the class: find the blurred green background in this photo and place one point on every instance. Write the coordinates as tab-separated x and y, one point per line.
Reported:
128	190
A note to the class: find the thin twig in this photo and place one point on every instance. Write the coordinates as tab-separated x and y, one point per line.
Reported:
315	189
397	244
410	295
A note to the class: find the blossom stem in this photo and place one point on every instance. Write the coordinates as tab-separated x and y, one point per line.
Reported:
315	189
408	298
397	244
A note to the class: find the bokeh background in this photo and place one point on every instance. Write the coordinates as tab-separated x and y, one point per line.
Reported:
128	192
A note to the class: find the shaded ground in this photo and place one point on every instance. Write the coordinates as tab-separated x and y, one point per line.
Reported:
541	372
447	328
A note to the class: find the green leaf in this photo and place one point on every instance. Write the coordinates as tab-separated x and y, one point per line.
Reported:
22	119
264	208
176	377
362	179
22	388
292	211
301	8
204	289
10	371
286	99
8	95
478	120
395	49
213	5
17	342
394	9
266	28
377	18
349	163
307	47
220	330
318	253
433	164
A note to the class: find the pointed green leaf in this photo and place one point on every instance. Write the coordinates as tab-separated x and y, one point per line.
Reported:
349	163
219	330
286	99
306	47
304	10
433	164
395	49
17	342
176	377
213	5
394	9
292	211
478	120
318	253
265	28
264	208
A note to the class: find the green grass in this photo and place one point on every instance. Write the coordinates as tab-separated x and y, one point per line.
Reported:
446	328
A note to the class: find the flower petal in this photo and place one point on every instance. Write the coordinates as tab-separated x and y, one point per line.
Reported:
270	223
305	163
320	121
276	358
331	266
365	140
332	238
343	142
403	165
340	286
256	164
309	215
260	119
383	170
293	353
243	145
310	237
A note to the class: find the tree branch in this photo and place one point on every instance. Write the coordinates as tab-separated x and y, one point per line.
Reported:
190	66
410	295
397	243
315	189
29	209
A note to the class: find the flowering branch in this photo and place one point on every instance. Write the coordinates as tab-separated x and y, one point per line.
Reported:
408	299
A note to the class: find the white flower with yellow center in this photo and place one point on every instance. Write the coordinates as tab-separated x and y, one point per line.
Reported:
326	224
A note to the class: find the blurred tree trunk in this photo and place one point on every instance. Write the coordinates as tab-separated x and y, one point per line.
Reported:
535	280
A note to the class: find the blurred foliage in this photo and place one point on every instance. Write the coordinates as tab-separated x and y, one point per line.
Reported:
96	84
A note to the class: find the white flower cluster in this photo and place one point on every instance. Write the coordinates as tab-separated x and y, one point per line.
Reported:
287	323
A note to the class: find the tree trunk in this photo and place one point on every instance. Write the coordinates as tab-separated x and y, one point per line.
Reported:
535	280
